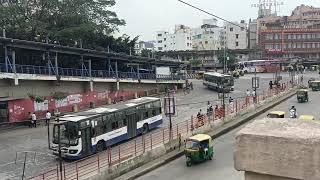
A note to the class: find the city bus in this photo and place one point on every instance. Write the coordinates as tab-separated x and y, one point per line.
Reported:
92	131
260	66
218	82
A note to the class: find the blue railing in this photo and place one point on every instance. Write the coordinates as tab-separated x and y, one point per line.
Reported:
45	70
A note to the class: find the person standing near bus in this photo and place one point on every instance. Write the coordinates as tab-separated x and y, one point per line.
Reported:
34	119
48	117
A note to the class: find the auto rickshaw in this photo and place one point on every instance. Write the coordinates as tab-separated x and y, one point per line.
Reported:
315	85
236	73
306	118
276	114
241	72
302	95
198	148
309	81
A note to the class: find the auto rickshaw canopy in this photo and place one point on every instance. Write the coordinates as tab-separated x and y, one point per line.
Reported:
306	117
276	114
201	137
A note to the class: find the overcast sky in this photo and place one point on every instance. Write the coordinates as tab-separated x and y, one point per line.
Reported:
145	17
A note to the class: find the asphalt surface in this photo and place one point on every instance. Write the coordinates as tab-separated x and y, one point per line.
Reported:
39	158
222	166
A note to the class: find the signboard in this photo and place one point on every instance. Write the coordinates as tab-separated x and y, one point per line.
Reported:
255	82
170	106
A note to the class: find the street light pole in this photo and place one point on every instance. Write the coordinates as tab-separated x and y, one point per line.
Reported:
59	146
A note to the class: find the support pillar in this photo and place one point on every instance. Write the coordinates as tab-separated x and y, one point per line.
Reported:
56	65
109	67
48	62
117	76
6	58
90	75
14	69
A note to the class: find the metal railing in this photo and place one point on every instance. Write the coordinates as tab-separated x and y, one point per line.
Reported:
114	155
46	70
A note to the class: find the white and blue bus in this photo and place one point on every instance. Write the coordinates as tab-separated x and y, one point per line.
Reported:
89	132
218	82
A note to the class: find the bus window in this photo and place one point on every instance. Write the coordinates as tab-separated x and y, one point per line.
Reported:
146	115
114	125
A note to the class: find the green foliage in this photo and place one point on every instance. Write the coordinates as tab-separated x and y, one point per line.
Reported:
59	95
195	63
146	53
66	22
232	58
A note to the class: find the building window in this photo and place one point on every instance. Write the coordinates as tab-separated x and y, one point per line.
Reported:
231	29
237	44
159	35
164	39
159	48
237	36
165	45
206	42
160	41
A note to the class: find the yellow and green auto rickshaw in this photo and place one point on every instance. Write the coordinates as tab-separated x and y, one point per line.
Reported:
309	81
306	118
276	114
198	148
236	73
302	95
315	85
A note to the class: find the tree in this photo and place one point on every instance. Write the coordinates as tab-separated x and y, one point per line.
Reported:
195	63
230	58
63	21
146	53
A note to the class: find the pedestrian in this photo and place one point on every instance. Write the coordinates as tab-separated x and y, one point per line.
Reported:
191	85
30	120
301	79
48	117
270	84
248	93
199	114
253	93
34	119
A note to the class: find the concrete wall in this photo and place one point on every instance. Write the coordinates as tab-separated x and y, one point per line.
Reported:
285	150
256	176
47	88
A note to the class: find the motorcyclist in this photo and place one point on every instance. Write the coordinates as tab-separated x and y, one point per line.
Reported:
293	112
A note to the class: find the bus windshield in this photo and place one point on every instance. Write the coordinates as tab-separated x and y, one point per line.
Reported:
68	133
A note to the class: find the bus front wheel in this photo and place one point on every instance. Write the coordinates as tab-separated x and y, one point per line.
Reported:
100	146
145	128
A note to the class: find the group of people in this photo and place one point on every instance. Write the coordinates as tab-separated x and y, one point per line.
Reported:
249	93
33	119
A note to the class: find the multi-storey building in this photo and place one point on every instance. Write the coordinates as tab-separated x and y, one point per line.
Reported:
297	35
236	36
148	45
180	40
207	37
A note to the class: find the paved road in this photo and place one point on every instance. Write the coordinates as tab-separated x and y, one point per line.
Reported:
222	166
35	140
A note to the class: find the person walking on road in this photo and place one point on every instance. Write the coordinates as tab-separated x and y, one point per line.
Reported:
48	117
270	84
34	119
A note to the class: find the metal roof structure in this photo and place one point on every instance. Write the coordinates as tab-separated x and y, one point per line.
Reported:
39	46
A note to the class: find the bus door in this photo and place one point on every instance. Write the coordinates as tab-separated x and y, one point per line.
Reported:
4	112
86	141
131	125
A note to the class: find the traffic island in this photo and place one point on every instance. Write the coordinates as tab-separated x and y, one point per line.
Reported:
279	149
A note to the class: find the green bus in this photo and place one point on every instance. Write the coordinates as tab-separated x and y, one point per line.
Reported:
218	82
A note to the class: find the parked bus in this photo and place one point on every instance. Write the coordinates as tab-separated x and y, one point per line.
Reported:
218	82
260	66
92	131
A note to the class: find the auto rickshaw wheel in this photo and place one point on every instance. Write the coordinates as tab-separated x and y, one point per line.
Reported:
188	162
